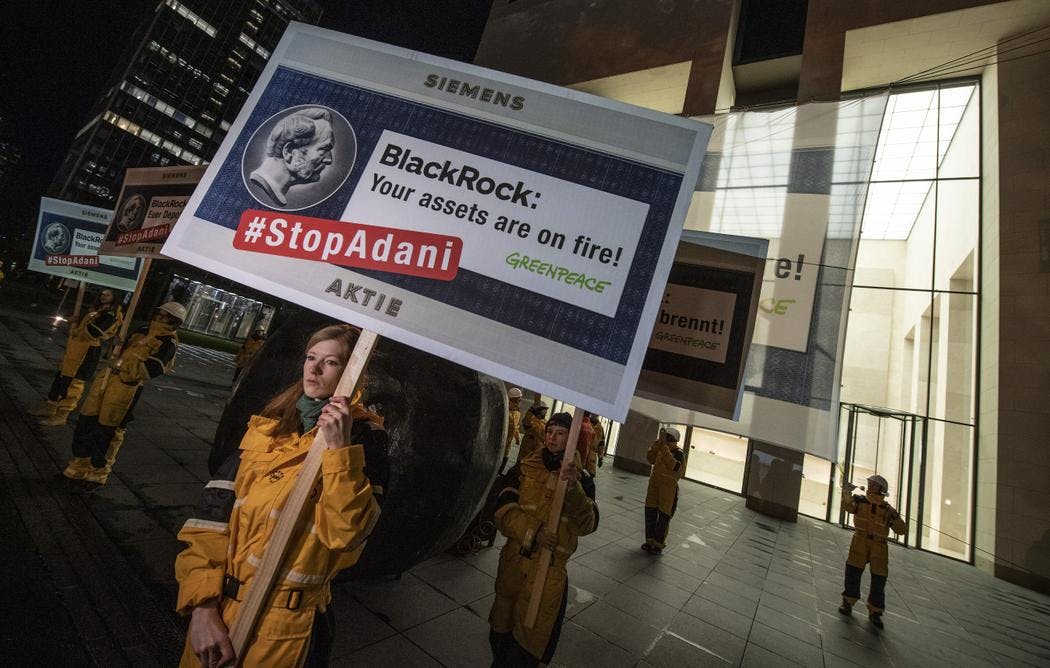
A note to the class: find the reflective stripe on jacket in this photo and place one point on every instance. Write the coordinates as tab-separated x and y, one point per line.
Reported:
238	513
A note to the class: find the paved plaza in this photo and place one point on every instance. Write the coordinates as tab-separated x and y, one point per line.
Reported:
91	581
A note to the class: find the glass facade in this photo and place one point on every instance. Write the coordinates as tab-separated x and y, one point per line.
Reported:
218	312
908	386
715	458
911	339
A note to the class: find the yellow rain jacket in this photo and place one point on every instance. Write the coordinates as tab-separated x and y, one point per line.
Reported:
248	351
872	518
668	469
513	433
150	352
94	328
599	439
523	507
534	431
238	514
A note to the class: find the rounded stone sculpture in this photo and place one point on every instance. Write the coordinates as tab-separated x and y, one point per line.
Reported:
446	426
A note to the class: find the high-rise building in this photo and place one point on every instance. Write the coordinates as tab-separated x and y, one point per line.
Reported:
187	71
179	85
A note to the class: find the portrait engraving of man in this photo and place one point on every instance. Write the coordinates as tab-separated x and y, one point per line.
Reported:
298	150
56	239
131	213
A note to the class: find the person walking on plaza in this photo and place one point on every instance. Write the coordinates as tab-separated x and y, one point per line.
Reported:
533	430
873	519
590	435
513	423
229	531
83	351
661	498
599	439
149	352
522	511
251	347
585	443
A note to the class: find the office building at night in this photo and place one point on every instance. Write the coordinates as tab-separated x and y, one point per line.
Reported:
179	85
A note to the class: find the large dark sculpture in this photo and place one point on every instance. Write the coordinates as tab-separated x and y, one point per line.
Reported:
446	425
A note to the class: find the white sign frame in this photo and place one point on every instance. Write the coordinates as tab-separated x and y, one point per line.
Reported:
643	138
91	221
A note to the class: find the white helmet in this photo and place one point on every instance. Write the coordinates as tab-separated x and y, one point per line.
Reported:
174	309
514	393
673	433
884	488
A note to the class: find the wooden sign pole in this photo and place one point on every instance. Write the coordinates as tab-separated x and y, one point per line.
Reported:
553	522
122	335
80	302
132	305
266	574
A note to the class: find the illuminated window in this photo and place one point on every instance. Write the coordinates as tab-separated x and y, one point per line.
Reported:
185	12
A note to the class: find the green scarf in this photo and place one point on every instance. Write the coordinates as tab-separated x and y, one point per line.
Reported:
309	411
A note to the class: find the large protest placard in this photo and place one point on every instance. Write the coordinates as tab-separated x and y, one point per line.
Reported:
698	350
151	201
518	228
67	241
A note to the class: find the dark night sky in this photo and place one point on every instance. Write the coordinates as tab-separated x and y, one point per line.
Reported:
56	55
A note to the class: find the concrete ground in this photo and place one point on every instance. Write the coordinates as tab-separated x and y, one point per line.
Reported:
90	574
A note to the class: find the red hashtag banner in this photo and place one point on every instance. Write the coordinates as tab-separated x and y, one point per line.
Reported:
346	244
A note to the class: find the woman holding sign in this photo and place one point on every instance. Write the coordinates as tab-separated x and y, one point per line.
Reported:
238	512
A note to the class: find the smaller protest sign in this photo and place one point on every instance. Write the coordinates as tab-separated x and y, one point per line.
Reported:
698	350
68	236
151	201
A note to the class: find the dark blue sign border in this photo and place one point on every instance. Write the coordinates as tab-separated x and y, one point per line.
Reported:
370	113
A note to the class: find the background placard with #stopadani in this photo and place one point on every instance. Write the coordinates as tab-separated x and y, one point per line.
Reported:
163	192
498	327
119	273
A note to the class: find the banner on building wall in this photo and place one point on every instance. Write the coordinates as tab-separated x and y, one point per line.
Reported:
789	285
514	227
151	201
699	345
68	236
797	177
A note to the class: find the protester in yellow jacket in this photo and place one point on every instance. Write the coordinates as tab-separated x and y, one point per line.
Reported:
83	351
100	429
599	439
513	423
873	519
533	429
522	513
249	349
661	498
236	517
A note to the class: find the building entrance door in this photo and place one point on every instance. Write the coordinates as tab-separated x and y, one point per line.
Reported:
892	444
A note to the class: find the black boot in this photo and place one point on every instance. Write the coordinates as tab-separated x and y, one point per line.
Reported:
846	608
876	619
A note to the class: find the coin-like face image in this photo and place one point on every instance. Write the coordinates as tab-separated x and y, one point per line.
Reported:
131	214
299	157
56	239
